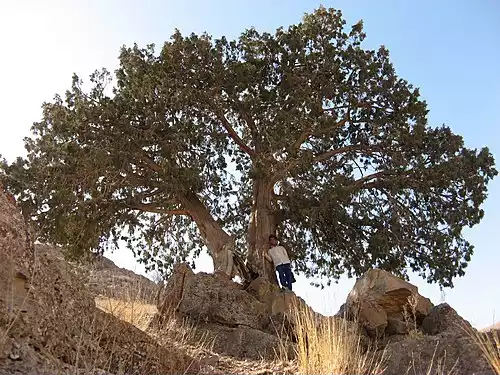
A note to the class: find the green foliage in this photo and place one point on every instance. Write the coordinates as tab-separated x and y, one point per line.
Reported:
361	180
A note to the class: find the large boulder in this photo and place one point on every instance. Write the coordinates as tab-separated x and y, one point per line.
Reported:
49	322
249	321
212	298
277	302
170	297
379	300
440	354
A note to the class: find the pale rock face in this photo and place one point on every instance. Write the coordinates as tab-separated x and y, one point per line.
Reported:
378	300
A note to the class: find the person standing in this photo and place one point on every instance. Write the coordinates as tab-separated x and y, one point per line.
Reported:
278	256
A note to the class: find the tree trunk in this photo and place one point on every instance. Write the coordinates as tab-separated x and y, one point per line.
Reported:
220	244
262	224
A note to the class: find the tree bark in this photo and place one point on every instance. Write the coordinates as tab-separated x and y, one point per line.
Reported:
219	243
262	224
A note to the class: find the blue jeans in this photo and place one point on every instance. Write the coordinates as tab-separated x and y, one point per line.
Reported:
285	275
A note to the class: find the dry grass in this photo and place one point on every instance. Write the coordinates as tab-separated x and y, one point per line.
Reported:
331	346
171	331
437	366
182	332
410	316
134	312
10	289
104	347
489	343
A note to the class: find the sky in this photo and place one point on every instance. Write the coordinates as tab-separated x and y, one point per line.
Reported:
449	49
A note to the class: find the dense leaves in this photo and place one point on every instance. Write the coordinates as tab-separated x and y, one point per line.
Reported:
359	178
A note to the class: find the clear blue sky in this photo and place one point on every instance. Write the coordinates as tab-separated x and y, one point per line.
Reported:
450	49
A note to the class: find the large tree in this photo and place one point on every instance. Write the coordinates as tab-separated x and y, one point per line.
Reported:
302	132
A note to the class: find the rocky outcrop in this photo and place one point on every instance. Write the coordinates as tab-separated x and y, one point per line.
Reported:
103	278
379	300
257	321
453	352
242	322
443	318
429	340
49	322
212	298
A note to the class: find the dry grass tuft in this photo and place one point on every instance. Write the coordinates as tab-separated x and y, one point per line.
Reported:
410	316
183	332
489	343
331	346
437	366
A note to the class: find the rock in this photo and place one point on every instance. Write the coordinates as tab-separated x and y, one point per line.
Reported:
343	312
379	296
372	316
251	322
443	318
243	342
396	325
280	304
450	351
170	296
103	278
49	320
287	302
281	325
212	298
263	290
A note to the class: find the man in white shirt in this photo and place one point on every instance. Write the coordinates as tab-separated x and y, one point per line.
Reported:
277	254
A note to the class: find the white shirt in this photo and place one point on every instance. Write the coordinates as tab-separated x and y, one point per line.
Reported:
278	255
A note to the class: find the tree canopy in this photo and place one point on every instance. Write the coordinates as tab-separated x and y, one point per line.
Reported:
212	142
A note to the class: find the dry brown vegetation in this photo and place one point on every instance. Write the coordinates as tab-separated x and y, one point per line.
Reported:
489	342
324	346
331	346
134	312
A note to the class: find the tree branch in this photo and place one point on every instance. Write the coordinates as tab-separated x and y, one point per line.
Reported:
361	182
249	120
372	180
308	131
335	108
144	157
354	148
301	139
232	133
157	210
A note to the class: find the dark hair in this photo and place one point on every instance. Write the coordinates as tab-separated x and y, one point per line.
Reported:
273	236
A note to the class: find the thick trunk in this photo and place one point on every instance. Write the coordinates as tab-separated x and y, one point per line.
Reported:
262	224
220	244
